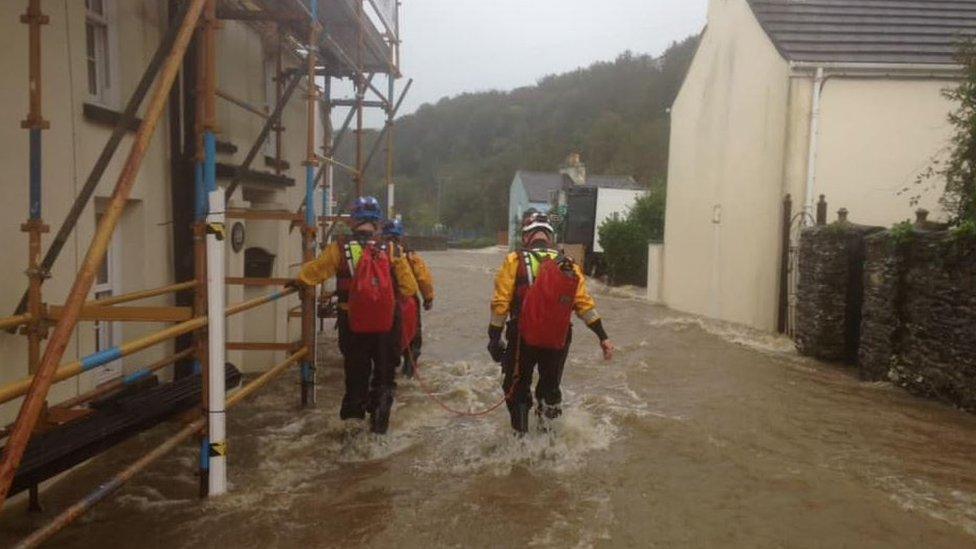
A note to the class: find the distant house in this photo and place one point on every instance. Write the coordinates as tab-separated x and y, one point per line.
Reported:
541	190
799	98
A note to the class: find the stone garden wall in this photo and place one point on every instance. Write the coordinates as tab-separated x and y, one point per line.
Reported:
915	306
829	292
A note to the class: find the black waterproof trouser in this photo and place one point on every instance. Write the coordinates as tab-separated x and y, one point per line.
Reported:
550	364
370	367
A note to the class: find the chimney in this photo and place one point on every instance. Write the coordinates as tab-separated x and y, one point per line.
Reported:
575	169
921	217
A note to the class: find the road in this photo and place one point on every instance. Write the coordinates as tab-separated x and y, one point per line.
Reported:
696	435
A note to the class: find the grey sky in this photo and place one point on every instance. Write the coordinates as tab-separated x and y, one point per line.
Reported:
455	46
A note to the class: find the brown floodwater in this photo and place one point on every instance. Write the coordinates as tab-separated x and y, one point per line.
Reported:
697	434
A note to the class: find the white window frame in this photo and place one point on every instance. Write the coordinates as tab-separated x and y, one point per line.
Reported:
104	56
109	334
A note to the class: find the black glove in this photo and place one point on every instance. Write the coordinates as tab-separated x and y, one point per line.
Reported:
428	304
495	347
293	284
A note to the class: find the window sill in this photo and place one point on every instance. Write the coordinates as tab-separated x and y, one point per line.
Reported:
270	162
104	116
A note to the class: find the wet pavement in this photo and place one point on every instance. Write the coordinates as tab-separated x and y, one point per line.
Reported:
697	434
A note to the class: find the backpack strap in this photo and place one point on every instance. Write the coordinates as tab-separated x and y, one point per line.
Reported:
350	260
529	274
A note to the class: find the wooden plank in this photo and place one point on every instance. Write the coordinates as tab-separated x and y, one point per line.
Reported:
257	346
126	314
264	215
252	15
238	281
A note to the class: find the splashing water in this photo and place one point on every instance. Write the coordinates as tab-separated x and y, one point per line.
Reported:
698	434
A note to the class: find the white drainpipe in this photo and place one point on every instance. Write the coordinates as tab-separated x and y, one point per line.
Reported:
818	81
823	71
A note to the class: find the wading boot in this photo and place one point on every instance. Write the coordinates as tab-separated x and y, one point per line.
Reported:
520	419
547	414
379	419
408	366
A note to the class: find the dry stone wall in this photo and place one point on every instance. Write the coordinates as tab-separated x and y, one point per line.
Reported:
883	305
899	303
916	307
829	292
937	355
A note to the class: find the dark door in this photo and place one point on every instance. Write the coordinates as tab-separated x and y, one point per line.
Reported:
580	216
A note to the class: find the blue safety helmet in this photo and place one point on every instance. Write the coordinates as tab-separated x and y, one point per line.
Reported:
393	228
366	209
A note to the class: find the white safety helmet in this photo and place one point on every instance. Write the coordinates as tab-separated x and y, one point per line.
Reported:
536	221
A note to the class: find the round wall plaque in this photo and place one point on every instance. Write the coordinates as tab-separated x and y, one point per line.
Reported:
237	236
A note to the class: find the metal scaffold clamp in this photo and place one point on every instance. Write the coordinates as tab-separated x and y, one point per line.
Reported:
219	230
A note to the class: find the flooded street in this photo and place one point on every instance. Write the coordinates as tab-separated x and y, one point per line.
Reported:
696	435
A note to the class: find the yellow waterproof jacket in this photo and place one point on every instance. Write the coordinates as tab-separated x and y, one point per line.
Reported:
329	264
505	289
425	281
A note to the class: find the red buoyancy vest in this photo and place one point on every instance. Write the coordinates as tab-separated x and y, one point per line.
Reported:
409	321
371	293
547	308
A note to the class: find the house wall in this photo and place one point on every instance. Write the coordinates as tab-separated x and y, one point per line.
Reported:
728	145
876	137
71	147
610	202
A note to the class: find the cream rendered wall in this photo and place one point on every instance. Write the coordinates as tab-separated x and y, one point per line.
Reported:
728	143
876	137
797	145
241	71
71	147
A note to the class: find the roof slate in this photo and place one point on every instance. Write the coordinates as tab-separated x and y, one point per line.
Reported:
867	31
540	185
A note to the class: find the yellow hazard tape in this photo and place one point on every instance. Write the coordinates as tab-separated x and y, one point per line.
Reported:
216	229
218	449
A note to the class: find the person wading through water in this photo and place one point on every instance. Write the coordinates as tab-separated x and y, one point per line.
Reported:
412	336
536	291
369	280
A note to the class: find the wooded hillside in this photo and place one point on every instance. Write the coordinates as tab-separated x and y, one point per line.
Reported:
455	159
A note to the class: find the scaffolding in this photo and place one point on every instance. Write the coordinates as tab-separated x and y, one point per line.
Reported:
331	40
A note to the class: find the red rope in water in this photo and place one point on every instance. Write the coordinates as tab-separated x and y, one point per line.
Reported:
507	398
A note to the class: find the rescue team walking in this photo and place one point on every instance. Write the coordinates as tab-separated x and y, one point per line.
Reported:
380	285
537	290
372	278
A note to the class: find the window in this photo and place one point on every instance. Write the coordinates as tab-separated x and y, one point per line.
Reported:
99	53
258	263
108	334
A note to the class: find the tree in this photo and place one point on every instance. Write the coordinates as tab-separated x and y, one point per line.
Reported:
959	170
462	152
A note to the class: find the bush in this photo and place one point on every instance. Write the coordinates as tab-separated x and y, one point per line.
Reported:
625	240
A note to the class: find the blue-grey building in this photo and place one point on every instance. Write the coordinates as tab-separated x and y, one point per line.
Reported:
541	190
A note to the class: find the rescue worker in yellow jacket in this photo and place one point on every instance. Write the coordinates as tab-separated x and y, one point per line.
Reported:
370	359
394	232
518	358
